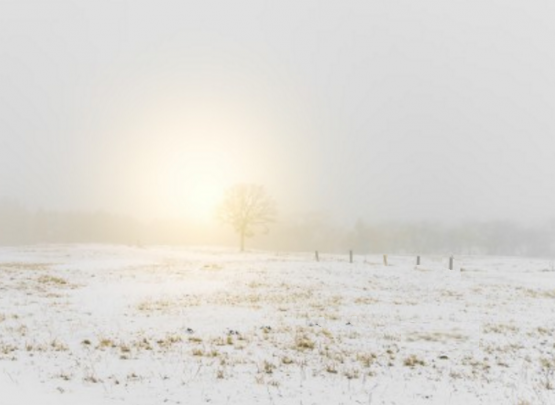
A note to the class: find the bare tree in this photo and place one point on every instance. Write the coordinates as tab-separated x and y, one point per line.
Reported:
247	208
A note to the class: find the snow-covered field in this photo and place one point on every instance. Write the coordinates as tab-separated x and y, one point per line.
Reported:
110	325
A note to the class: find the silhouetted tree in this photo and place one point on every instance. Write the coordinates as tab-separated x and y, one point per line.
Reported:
247	208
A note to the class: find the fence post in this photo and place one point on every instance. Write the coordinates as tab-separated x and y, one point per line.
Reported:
385	260
350	256
451	263
418	260
317	256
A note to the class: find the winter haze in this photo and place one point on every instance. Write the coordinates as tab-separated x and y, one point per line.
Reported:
349	113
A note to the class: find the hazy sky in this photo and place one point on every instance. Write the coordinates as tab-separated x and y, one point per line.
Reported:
377	109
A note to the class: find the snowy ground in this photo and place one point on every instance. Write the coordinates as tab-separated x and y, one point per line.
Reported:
111	325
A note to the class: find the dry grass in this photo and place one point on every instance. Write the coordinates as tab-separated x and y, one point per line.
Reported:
413	361
52	280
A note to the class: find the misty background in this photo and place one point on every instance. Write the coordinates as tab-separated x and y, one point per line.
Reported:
379	126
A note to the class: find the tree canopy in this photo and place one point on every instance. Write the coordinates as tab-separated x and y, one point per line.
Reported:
248	209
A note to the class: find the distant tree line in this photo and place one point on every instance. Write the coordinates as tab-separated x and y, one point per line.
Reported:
307	232
487	237
468	238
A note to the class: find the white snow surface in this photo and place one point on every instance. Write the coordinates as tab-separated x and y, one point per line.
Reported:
94	324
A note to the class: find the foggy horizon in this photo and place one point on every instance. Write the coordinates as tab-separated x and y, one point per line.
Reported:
383	112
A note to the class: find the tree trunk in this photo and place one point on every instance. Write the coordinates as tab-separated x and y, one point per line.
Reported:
242	241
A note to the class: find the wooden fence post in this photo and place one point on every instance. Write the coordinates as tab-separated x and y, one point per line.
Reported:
350	256
317	256
451	263
418	260
385	260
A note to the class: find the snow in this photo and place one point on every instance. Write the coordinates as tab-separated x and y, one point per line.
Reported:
94	324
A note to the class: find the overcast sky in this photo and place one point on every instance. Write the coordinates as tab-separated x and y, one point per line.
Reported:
376	109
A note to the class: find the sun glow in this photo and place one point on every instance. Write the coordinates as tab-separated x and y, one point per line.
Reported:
200	195
196	181
204	156
199	152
